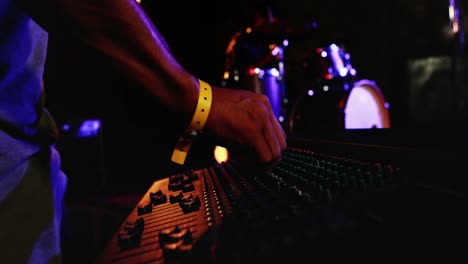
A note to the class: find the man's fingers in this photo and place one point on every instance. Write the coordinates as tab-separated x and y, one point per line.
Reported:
272	140
280	134
261	146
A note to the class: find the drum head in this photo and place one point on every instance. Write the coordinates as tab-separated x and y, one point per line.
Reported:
366	107
361	107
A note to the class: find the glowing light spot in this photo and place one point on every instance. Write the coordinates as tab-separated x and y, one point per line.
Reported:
325	88
274	72
285	42
89	128
275	51
248	30
310	92
455	27
281	118
451	12
226	75
343	72
324	54
334	47
221	154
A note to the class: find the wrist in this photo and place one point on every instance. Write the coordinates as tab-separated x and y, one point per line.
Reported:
187	99
197	123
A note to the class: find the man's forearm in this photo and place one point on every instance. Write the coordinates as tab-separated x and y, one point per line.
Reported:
121	30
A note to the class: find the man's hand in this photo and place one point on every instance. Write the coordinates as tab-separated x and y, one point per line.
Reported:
243	118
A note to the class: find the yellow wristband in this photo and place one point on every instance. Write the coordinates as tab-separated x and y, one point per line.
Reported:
196	125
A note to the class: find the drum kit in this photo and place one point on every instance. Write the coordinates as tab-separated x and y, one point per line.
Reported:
310	91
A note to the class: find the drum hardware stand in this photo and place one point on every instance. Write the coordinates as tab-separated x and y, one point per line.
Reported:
457	58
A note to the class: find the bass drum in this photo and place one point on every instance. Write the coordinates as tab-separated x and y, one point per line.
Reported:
331	110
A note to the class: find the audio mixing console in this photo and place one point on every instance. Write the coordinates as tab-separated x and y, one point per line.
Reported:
311	206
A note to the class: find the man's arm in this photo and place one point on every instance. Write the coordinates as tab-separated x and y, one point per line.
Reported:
121	30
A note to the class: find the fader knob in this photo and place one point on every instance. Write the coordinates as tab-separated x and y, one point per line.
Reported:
176	198
130	235
145	209
188	187
174	235
158	197
192	176
137	225
190	203
176	242
175	185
